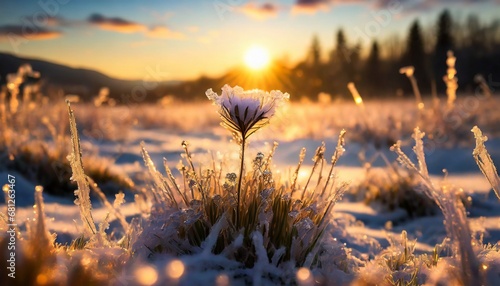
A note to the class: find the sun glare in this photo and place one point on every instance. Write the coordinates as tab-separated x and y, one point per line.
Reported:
257	57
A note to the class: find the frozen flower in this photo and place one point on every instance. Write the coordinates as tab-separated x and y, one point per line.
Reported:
245	111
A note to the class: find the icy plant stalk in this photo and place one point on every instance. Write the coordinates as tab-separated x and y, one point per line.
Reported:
355	94
162	193
359	102
243	112
484	161
409	71
83	192
339	151
450	80
41	238
4	127
297	170
14	81
453	210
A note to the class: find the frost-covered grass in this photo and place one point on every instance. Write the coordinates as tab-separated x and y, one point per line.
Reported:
390	191
186	231
239	218
34	142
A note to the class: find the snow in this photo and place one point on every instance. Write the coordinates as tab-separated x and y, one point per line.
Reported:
366	228
160	144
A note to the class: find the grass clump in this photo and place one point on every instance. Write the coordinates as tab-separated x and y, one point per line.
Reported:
34	142
40	164
225	213
290	218
391	191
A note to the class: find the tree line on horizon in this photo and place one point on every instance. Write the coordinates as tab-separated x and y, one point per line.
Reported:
475	44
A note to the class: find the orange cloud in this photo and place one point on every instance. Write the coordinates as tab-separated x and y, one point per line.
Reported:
260	12
310	6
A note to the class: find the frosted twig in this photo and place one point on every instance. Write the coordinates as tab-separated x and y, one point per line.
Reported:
318	157
339	151
83	192
409	71
483	160
42	237
296	173
450	79
163	190
115	210
453	210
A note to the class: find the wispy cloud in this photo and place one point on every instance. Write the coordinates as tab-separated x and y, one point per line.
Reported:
313	6
120	25
115	24
38	33
310	6
163	32
260	12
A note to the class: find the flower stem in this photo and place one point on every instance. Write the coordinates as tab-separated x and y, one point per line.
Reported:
243	143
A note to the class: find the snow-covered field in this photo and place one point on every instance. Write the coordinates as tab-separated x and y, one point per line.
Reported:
365	234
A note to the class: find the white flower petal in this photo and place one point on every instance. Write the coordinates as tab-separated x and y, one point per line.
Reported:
248	110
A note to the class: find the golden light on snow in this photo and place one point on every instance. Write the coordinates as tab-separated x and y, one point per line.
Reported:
222	280
303	274
257	57
146	275
175	269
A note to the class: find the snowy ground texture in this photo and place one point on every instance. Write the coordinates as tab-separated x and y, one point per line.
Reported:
363	244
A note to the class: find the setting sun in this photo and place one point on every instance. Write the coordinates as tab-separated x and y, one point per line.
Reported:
257	57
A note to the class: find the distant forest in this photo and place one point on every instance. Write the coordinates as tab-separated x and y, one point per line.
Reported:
475	44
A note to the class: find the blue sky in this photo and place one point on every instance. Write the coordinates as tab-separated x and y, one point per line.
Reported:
185	39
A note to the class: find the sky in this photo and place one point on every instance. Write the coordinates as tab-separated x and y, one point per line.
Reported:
184	39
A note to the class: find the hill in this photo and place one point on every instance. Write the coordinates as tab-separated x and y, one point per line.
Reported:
83	82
